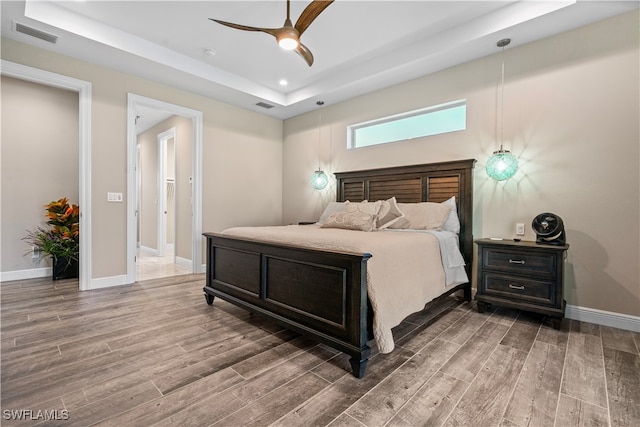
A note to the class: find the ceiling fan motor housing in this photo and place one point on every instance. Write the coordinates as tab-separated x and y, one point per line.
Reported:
549	229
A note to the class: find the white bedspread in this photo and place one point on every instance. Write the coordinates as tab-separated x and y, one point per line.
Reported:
404	273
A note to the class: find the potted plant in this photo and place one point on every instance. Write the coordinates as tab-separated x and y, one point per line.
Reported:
61	239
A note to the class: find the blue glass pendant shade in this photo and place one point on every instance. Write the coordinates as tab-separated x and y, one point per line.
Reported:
502	165
319	180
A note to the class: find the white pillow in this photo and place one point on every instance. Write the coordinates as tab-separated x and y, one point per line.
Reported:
453	222
422	216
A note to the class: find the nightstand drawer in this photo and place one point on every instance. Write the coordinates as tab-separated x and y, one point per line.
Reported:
519	261
535	291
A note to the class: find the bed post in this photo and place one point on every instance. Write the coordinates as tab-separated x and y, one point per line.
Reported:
465	206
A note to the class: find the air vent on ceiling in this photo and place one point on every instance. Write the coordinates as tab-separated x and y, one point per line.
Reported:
24	29
265	105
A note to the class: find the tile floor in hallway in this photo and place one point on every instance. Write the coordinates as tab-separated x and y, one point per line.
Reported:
149	266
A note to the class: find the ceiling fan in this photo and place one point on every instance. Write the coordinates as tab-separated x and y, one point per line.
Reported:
288	36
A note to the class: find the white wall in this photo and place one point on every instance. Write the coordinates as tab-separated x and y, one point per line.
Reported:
571	117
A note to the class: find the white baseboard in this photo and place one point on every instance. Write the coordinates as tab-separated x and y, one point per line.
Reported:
601	317
31	273
107	282
37	273
183	262
148	250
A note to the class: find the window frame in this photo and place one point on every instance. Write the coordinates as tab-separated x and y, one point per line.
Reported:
352	129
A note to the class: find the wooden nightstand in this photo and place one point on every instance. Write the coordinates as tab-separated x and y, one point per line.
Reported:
524	275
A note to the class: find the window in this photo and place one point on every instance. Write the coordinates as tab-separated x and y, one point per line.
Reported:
443	118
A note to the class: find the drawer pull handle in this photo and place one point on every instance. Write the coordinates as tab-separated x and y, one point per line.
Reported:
518	287
516	261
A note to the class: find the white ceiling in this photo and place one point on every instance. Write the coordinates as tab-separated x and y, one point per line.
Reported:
359	46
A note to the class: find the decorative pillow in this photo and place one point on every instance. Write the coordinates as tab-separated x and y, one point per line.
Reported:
422	216
389	213
372	208
356	216
453	222
331	208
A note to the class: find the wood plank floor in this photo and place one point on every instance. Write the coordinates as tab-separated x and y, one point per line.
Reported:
155	353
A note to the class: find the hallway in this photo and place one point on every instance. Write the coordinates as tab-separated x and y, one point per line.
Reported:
149	266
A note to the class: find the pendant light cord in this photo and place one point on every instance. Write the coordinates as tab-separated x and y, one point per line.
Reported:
502	43
502	102
320	104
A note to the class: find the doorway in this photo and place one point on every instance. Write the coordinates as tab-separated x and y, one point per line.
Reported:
83	88
168	207
163	171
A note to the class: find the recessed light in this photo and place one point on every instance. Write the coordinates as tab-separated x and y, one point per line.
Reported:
283	82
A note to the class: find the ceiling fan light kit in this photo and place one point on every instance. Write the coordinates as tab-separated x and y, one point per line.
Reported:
288	36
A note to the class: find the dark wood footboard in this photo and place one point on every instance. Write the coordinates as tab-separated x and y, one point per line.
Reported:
316	293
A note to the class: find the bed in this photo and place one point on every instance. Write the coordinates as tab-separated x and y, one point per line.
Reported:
327	292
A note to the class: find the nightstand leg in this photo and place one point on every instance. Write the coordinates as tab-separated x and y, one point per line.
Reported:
482	306
467	292
556	322
208	298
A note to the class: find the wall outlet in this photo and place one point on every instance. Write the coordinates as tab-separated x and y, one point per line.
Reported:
519	229
35	253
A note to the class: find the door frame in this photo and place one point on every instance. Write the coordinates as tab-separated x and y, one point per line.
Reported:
83	88
133	101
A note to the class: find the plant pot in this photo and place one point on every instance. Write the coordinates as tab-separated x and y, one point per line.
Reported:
65	268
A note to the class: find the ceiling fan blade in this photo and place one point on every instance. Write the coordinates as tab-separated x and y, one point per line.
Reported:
271	31
310	13
305	53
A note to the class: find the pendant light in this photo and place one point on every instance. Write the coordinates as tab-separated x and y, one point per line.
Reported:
502	165
319	179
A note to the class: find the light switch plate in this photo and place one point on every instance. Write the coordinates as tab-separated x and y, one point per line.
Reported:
114	197
519	229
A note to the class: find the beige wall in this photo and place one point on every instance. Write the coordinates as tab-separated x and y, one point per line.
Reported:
242	154
571	117
39	154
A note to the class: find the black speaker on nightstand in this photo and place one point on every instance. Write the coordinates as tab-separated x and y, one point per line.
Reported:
549	229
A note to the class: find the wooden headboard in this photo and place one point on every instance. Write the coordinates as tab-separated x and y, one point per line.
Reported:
432	182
